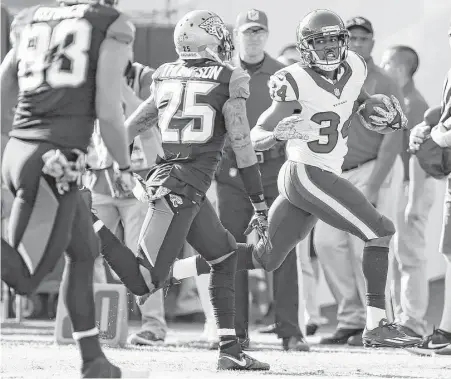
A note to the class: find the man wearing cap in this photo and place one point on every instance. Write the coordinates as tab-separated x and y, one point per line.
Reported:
235	210
373	165
410	279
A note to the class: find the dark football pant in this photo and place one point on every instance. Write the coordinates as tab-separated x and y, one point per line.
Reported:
235	212
65	225
174	219
307	194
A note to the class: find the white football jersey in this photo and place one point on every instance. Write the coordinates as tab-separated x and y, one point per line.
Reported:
328	104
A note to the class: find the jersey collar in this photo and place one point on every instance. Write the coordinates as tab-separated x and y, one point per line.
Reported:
334	89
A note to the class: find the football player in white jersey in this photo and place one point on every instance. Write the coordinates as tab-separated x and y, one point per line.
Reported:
313	103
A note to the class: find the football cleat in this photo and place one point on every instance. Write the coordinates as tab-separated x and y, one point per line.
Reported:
295	343
242	362
439	342
388	335
102	368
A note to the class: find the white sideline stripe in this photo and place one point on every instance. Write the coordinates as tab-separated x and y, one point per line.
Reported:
331	202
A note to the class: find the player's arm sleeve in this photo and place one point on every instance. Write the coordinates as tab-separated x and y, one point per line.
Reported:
9	93
143	118
122	30
145	82
113	59
441	133
237	125
284	93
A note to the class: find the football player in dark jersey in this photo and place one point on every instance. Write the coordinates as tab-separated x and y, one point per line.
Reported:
197	102
64	70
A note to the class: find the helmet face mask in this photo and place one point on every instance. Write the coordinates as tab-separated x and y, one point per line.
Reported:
203	35
322	40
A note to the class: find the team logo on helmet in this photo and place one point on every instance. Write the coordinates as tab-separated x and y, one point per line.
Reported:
214	26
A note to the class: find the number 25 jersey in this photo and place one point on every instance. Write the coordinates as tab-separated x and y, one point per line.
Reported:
190	98
328	104
56	52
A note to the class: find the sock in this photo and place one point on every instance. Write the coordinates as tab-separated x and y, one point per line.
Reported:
374	316
90	348
445	323
77	288
245	257
375	267
222	295
15	272
120	258
187	268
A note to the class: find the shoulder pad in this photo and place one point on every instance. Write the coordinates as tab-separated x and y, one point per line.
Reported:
283	86
158	71
239	84
122	30
357	63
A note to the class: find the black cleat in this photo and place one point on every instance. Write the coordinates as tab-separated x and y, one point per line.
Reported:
242	362
388	335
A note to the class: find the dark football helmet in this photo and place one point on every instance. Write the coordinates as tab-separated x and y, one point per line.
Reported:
322	39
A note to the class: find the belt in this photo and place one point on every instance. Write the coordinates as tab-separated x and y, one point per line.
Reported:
263	156
357	165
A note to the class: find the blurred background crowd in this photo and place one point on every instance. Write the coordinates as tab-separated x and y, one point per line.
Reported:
405	45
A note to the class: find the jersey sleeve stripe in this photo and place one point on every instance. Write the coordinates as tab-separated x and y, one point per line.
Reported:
293	84
446	102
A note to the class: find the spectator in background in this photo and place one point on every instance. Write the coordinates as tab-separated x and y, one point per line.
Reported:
439	342
289	55
235	209
373	166
116	210
410	281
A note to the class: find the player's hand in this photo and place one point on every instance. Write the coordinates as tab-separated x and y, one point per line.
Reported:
125	182
65	172
437	134
259	222
387	117
418	135
296	127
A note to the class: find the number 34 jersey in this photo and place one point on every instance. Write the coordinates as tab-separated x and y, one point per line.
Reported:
328	104
56	52
190	98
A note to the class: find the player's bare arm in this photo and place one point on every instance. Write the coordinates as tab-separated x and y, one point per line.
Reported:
144	118
112	61
262	135
10	89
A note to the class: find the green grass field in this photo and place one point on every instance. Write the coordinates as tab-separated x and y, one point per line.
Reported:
28	351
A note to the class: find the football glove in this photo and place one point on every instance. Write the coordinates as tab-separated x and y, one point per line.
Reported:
65	172
259	223
124	182
386	117
296	127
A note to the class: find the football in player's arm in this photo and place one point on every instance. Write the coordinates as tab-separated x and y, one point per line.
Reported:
283	119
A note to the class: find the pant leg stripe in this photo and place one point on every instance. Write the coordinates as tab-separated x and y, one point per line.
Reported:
333	203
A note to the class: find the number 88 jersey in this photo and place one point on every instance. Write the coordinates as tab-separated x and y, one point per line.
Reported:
323	102
56	52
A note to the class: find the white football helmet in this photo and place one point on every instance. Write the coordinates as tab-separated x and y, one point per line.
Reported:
202	34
